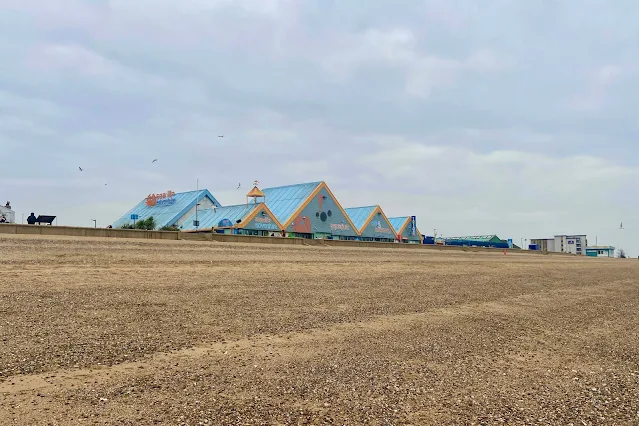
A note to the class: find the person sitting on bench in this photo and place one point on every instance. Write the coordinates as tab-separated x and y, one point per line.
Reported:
31	220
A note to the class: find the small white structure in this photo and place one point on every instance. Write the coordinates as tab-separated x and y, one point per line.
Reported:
8	214
600	251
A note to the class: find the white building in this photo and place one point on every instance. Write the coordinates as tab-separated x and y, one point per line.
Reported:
574	244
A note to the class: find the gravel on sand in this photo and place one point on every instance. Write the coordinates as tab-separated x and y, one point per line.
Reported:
99	331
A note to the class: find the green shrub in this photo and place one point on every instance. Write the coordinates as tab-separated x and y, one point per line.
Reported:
147	224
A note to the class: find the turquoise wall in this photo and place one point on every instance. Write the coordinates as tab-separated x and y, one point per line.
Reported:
378	227
262	223
322	216
406	233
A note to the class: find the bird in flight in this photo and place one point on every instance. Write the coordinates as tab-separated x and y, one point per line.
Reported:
80	168
220	136
238	185
154	160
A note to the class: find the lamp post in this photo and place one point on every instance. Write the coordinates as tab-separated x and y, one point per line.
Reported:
196	222
95	223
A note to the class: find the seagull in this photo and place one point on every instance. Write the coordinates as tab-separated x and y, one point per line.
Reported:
621	226
238	185
80	168
220	136
154	161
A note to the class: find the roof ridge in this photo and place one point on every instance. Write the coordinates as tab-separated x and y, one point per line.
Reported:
292	185
362	207
240	205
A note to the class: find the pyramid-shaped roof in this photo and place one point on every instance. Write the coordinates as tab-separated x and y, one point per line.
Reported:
210	218
166	213
255	192
284	201
360	215
398	223
364	217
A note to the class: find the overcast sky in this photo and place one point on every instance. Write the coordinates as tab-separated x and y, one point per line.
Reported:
509	117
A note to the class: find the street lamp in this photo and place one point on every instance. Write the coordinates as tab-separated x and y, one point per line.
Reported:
196	222
95	223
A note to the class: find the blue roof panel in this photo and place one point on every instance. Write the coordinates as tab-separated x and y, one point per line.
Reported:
359	215
283	201
211	217
168	214
398	222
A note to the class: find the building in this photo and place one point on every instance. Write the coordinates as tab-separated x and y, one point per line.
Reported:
9	215
309	210
305	210
168	208
572	244
371	223
405	228
542	244
478	241
600	251
243	219
252	218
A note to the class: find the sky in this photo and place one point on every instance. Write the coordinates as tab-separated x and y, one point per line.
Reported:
513	118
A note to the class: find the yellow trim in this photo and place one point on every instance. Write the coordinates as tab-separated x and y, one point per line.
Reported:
386	217
262	207
291	218
378	208
339	206
421	238
370	217
403	226
312	195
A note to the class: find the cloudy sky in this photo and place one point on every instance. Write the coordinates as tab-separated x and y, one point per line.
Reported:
508	117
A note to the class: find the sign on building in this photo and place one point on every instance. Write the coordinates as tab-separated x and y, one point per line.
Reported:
162	199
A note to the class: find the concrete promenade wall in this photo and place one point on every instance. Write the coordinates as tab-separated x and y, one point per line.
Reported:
70	231
226	238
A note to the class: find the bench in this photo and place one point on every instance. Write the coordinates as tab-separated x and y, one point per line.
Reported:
45	219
